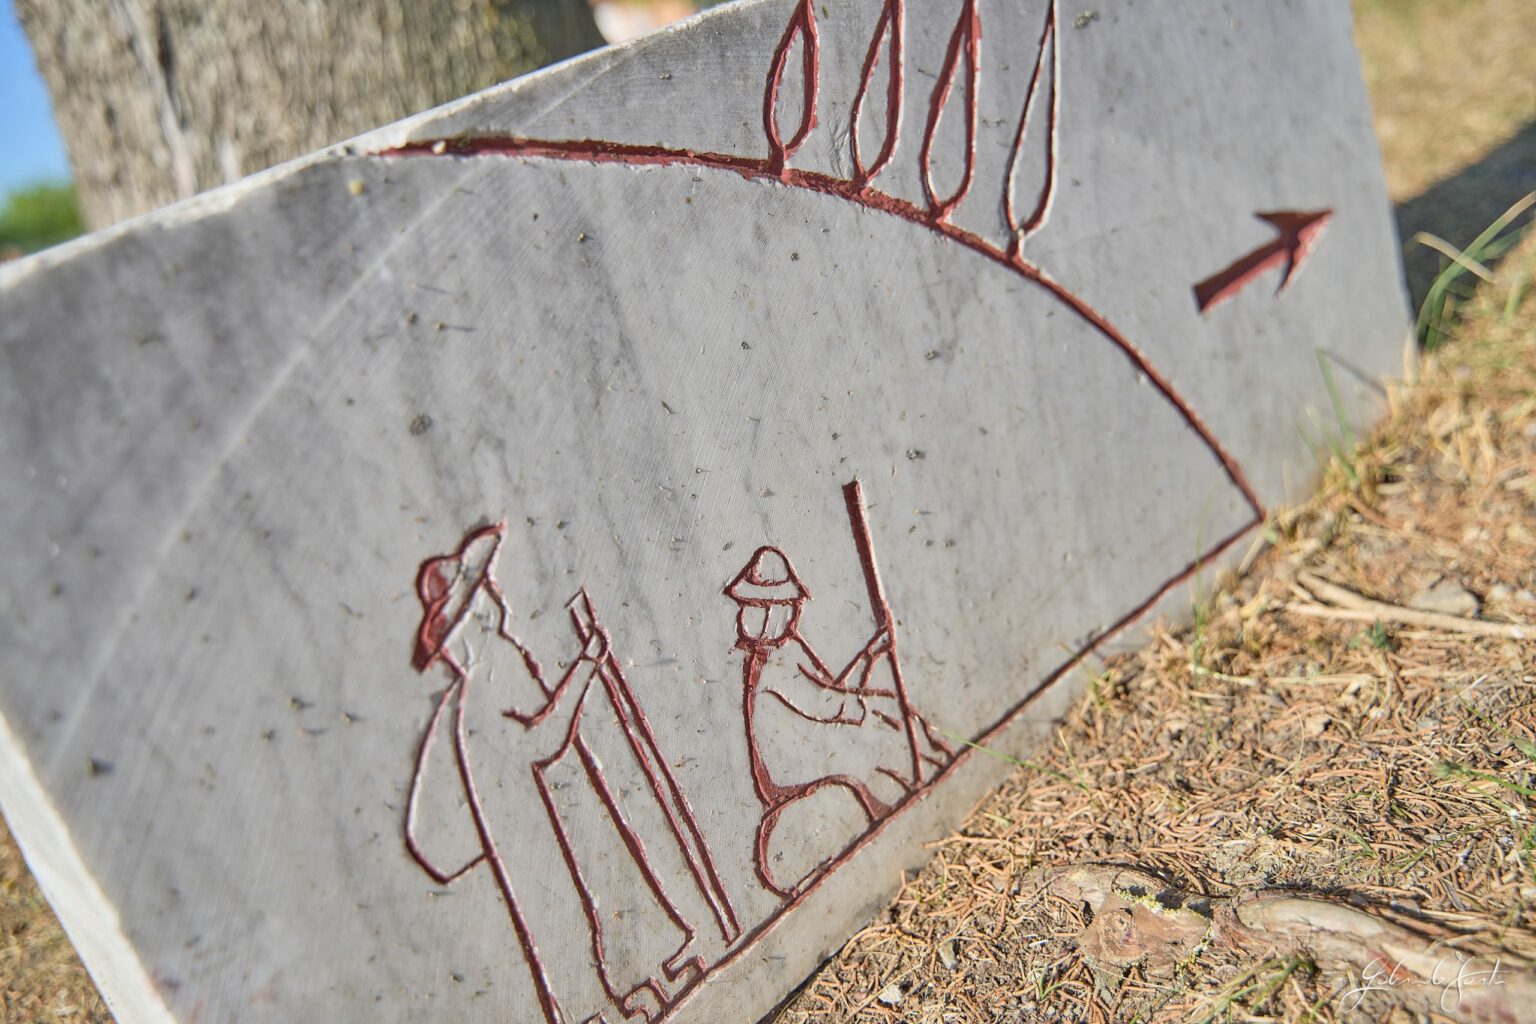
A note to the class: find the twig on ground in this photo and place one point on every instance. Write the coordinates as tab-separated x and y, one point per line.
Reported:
1358	608
1139	919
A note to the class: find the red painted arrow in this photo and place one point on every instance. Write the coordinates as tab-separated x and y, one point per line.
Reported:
1298	233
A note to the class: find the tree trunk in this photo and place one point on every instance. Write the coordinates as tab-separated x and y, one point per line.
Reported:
159	99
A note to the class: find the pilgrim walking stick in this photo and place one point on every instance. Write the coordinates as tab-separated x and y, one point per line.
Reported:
853	497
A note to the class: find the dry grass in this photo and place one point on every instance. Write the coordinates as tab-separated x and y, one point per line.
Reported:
1266	748
1449	80
41	979
1454	101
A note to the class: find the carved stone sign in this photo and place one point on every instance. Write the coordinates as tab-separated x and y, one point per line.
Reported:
555	559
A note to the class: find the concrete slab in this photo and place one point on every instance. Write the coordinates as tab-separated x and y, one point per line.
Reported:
555	559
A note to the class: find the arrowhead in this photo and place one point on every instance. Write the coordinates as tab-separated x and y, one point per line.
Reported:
1299	232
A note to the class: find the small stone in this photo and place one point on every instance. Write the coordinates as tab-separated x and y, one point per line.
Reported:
947	955
1447	598
1499	592
1316	725
891	995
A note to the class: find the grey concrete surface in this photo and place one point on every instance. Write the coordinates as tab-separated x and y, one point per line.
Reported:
549	560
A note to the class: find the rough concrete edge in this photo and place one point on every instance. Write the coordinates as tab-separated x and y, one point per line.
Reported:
1379	178
89	920
217	200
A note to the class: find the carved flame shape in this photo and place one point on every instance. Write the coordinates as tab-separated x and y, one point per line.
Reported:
888	30
1049	50
802	26
963	41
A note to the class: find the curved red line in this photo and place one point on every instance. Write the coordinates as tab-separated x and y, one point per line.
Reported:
431	588
863	542
803	24
601	151
966	37
632	720
889	28
1048	38
542	985
755	169
413	799
1229	465
989	733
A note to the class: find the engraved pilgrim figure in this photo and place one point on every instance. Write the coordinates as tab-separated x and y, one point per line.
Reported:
586	766
819	738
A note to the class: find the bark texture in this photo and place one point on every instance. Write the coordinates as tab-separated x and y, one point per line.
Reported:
159	99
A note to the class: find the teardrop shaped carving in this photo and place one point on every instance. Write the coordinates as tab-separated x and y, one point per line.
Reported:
1041	102
963	55
802	29
888	32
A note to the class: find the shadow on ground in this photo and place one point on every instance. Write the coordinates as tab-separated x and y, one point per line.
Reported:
1459	207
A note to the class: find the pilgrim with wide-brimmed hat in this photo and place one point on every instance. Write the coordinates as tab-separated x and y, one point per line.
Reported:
562	779
826	748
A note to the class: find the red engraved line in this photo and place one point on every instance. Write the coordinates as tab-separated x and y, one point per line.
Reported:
1229	465
602	152
880	814
937	741
874	809
964	41
802	25
448	586
541	982
889	29
1296	233
637	852
853	498
1049	47
700	861
567	851
642	742
769	792
573	741
990	733
412	800
855	191
434	587
746	589
648	754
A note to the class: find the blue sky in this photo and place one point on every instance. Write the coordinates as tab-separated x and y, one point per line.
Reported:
30	149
